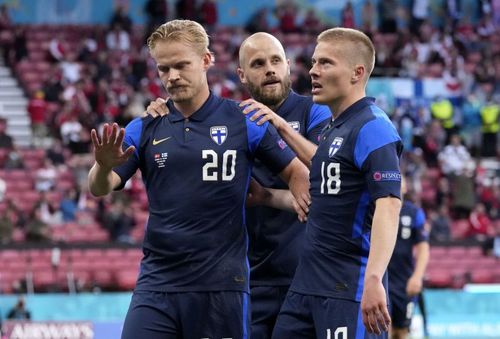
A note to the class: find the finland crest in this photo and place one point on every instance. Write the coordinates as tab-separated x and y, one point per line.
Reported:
335	146
295	125
218	134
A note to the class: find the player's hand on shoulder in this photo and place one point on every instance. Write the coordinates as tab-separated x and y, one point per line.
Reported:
262	113
108	149
157	108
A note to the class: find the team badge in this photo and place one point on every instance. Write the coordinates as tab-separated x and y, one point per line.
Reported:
295	125
218	134
335	146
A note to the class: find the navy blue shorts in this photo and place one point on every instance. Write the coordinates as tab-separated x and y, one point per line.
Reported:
306	316
266	304
401	308
214	315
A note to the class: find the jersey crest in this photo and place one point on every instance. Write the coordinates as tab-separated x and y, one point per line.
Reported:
218	134
335	146
295	125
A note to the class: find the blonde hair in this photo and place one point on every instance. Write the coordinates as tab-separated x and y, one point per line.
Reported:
362	50
186	31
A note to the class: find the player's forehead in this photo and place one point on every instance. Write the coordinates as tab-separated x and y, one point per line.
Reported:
168	52
262	47
327	50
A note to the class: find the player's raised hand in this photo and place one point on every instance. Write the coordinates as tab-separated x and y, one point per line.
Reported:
376	316
157	108
262	113
108	150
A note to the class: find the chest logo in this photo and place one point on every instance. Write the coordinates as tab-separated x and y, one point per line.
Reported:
335	146
156	142
218	134
295	125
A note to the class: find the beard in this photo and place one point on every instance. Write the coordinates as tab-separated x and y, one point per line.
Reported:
267	97
180	94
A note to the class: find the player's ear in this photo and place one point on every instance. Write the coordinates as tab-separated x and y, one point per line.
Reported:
358	73
241	74
208	60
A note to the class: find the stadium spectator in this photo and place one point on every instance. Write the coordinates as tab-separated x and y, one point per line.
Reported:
5	139
208	14
119	221
258	22
36	230
7	226
347	16
58	48
287	17
49	210
406	271
186	9
120	17
118	39
342	64
14	159
490	116
19	311
455	159
37	108
46	175
312	24
480	225
69	205
214	267
56	154
440	224
156	13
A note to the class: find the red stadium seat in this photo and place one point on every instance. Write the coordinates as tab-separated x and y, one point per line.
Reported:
482	276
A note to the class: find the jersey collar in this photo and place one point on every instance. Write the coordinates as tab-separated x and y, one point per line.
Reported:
288	104
201	114
353	110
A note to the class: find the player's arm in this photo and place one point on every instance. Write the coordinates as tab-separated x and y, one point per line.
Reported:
304	148
296	175
383	238
277	198
108	153
422	254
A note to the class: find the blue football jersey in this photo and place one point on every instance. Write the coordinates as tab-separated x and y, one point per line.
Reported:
196	172
276	236
357	162
411	232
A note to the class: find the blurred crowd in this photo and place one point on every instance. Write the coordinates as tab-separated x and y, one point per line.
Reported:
79	77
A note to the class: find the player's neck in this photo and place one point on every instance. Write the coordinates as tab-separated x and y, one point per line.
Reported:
187	108
339	105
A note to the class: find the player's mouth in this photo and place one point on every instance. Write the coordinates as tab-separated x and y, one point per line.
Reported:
316	88
271	83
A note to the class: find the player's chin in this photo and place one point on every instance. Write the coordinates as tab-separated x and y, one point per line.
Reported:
319	99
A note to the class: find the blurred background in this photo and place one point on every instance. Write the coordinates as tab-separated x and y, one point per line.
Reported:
68	261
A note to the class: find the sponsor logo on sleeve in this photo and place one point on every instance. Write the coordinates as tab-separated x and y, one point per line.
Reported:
387	176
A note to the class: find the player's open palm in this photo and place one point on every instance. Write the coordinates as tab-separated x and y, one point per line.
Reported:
108	150
376	316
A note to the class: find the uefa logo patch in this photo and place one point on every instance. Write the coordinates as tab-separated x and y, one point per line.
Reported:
218	134
335	146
